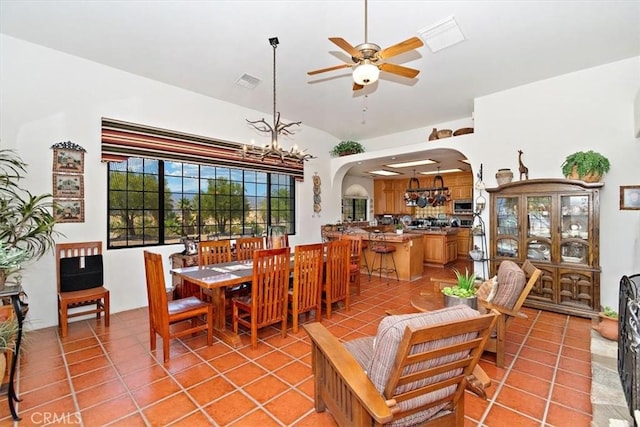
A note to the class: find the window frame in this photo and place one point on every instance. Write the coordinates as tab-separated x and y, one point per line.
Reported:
250	179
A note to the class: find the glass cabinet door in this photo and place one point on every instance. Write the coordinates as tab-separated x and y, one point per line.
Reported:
538	217
508	227
574	229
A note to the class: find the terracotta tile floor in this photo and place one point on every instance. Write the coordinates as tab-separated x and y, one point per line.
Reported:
107	376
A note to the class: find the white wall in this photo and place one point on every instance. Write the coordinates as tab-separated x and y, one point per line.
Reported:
48	97
590	109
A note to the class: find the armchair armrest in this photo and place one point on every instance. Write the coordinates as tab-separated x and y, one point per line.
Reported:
330	359
503	310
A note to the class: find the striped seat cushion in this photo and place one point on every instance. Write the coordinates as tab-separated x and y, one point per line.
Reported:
511	282
376	356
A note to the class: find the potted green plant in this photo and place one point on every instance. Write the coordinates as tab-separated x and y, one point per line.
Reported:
588	166
345	148
8	331
399	229
26	222
10	260
608	326
464	292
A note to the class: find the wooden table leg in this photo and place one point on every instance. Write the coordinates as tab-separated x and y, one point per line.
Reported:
219	320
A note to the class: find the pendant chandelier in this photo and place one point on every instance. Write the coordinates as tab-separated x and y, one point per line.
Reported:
273	149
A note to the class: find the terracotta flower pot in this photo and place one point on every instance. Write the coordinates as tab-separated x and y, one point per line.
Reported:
608	327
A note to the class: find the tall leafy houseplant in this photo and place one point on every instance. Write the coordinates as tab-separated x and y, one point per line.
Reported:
26	222
588	166
345	148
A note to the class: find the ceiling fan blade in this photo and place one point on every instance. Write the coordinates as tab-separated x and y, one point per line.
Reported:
324	70
344	45
356	86
397	49
400	70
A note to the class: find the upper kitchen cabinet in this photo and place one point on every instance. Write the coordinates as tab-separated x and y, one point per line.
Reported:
554	223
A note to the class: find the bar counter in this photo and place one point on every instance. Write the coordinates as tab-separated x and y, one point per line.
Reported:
408	256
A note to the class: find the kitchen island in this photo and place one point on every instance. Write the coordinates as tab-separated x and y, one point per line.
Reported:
440	246
408	256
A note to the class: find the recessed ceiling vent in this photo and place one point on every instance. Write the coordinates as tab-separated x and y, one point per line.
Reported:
247	81
442	35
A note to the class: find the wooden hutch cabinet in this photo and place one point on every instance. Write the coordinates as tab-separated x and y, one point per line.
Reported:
554	223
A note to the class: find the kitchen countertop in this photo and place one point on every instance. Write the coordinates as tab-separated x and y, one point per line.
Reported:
446	231
389	237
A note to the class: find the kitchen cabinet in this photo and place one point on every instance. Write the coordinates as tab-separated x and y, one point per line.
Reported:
463	243
554	223
440	249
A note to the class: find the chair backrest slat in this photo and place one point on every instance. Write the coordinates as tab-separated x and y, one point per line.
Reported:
338	260
271	268
307	275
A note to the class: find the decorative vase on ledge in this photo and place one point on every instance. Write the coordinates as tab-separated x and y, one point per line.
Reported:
504	176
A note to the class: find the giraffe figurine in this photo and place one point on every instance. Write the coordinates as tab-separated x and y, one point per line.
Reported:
521	167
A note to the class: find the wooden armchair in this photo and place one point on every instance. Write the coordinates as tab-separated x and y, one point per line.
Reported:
513	289
413	372
80	278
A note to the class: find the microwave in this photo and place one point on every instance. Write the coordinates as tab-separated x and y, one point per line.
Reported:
463	206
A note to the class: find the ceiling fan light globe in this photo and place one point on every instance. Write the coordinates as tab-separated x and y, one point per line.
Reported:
366	74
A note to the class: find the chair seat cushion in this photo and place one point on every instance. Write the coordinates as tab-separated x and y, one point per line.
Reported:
185	304
390	333
362	350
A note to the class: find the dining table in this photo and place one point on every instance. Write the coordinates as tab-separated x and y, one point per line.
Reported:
216	277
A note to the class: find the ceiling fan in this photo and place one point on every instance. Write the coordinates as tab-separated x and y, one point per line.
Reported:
368	58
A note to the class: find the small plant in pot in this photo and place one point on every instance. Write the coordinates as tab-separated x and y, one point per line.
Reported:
464	292
345	148
399	228
608	326
588	166
8	333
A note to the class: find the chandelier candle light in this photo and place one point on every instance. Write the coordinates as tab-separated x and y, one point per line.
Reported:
273	150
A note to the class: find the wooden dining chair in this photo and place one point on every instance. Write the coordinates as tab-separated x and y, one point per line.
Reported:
80	279
267	303
355	260
164	313
217	252
336	286
246	246
305	295
278	241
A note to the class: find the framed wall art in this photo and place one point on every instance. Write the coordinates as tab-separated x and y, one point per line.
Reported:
68	186
69	210
68	161
630	197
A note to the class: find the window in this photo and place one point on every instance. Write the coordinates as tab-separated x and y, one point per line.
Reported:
156	202
354	209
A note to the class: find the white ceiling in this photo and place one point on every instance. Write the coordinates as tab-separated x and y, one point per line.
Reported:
205	46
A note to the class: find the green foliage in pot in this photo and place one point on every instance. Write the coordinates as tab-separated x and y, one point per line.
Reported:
466	286
610	312
26	221
585	163
345	148
8	331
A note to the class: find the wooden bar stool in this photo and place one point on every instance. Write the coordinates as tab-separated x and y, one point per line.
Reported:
382	251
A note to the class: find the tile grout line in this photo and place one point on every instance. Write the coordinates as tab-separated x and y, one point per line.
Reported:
555	371
508	371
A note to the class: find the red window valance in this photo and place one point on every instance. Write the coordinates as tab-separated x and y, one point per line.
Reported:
121	140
